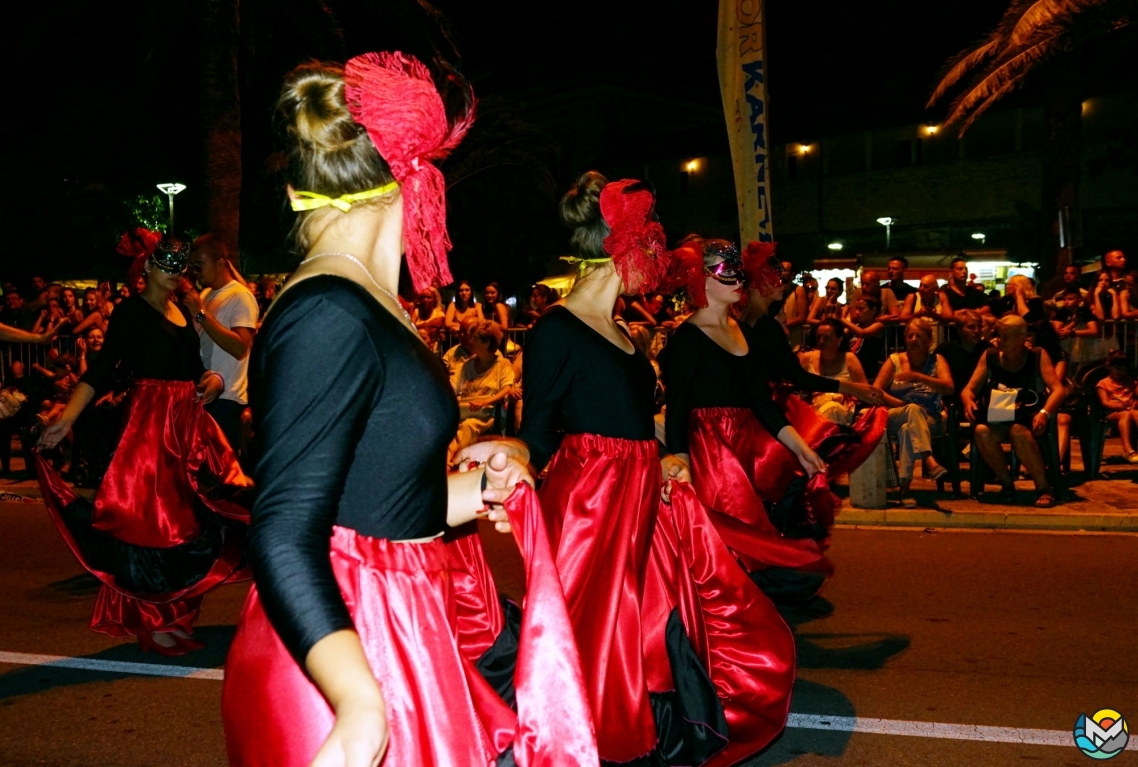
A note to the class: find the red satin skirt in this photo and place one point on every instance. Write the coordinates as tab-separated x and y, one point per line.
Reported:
627	562
420	636
172	482
737	465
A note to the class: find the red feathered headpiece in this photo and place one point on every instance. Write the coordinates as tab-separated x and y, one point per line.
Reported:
685	272
636	240
393	96
138	243
763	270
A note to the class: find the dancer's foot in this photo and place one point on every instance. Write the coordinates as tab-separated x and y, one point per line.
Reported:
187	640
161	643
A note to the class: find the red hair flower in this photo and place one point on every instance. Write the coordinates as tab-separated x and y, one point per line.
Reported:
763	270
394	98
636	239
685	272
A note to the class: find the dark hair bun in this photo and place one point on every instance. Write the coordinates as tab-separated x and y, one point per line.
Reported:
581	210
581	205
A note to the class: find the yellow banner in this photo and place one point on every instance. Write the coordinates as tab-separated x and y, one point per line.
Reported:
742	82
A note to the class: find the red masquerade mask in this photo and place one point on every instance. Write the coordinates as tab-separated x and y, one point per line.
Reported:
393	96
636	238
763	270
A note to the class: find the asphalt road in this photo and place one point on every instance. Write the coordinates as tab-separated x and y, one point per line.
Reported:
1013	630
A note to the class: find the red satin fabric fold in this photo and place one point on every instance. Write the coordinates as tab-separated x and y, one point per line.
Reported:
600	500
413	618
147	496
164	420
745	645
736	464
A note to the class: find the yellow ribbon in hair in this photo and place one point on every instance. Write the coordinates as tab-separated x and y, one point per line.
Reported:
313	200
584	262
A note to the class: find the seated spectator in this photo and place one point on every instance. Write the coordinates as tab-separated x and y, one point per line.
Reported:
914	382
827	306
1015	366
462	306
1105	305
541	298
493	307
428	318
1020	299
964	352
1118	395
18	401
866	332
456	356
483	381
831	361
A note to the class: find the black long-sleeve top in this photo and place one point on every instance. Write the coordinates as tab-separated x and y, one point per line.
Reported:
142	343
580	382
700	373
352	415
767	339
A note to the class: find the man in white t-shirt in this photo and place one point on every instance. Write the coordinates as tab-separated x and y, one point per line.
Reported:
225	316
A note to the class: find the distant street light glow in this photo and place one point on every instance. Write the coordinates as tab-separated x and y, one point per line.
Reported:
691	166
931	129
887	222
979	236
170	190
803	149
835	246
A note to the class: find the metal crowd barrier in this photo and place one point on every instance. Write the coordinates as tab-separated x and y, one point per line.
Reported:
32	353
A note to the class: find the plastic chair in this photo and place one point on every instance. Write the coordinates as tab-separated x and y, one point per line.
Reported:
1092	427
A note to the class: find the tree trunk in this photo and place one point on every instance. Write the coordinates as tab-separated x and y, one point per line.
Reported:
1062	164
220	115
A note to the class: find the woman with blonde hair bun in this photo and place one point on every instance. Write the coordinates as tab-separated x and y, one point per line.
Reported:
359	642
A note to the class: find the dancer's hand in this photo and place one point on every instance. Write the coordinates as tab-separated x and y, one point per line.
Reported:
864	392
358	739
810	461
210	387
672	467
503	474
479	453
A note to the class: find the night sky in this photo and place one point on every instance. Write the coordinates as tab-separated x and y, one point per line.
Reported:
101	101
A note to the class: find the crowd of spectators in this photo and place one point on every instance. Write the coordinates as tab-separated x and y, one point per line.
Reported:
936	349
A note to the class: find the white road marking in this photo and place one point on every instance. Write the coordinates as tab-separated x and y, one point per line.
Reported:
113	666
932	730
973	732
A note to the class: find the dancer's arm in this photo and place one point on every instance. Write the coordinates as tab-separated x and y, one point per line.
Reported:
17	336
339	668
54	433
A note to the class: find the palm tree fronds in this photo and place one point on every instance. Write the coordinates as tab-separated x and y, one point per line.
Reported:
1044	15
962	67
999	81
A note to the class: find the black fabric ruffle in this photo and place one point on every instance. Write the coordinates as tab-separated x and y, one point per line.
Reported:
142	570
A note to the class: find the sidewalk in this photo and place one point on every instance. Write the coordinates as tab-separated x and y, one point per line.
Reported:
1108	503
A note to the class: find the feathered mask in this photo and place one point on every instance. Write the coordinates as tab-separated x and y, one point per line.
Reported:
138	243
636	239
394	98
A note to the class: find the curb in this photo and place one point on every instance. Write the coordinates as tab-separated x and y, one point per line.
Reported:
1121	522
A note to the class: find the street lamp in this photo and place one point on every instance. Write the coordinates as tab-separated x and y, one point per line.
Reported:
835	246
170	190
888	223
979	236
